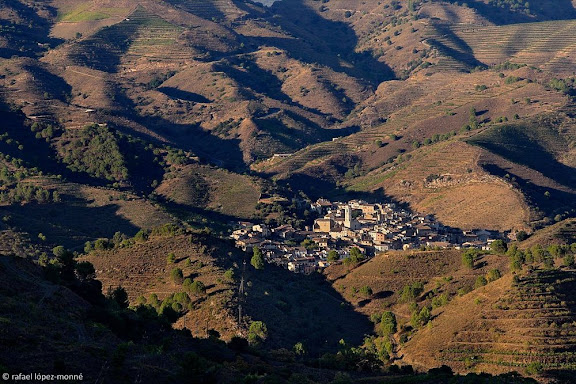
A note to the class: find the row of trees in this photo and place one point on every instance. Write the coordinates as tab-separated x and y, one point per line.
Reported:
26	193
121	240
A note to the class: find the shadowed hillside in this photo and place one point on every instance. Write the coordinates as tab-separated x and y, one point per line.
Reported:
275	296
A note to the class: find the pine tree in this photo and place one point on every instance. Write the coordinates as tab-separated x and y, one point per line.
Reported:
257	260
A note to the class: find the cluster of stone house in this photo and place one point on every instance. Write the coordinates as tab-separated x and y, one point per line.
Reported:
342	226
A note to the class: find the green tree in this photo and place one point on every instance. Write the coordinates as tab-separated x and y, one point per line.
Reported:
195	287
119	296
556	250
388	324
498	247
299	349
515	265
257	333
257	260
569	260
411	291
308	244
102	244
85	270
333	256
182	298
66	262
440	300
229	275
355	256
425	315
421	317
468	258
538	253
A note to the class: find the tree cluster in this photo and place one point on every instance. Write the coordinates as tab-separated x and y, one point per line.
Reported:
96	151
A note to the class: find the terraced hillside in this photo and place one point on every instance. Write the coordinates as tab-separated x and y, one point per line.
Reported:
141	34
254	84
440	272
563	232
547	45
211	9
520	324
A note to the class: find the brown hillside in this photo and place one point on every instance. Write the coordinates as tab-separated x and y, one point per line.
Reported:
503	326
274	296
143	270
447	182
212	188
562	232
388	273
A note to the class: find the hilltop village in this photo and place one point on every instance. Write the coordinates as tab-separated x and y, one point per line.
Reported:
354	227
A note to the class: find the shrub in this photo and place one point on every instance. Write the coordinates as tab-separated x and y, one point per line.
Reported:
177	276
141	236
171	258
512	79
534	368
493	275
464	290
366	291
480	282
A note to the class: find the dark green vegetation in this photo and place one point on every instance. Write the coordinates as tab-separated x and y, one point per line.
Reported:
96	152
